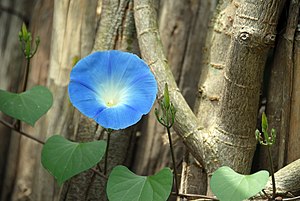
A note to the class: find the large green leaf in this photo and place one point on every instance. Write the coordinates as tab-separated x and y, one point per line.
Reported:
228	185
28	106
64	159
124	185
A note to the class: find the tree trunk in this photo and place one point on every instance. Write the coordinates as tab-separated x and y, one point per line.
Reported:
279	89
240	98
180	26
252	37
293	149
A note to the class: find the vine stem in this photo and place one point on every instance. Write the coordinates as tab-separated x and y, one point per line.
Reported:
173	159
272	173
21	132
106	151
99	173
17	123
264	192
26	75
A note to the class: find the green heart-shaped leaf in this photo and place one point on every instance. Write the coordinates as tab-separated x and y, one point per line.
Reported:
228	185
64	159
28	106
124	185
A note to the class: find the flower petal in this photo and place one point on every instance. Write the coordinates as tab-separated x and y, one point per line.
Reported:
138	81
119	63
124	65
105	84
142	94
119	117
100	67
85	99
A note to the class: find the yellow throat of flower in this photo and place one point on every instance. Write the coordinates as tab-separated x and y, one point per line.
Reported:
111	103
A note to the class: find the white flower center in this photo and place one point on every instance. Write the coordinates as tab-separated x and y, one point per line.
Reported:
111	103
113	95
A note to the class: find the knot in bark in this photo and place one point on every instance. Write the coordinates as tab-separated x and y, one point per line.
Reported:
269	39
244	37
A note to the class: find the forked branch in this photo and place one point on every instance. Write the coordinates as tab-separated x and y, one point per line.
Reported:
186	123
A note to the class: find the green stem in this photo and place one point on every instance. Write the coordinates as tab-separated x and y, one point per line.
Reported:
173	159
106	151
26	75
272	172
23	88
266	194
20	132
99	173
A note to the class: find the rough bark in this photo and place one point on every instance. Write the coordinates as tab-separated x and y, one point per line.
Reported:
183	28
287	179
253	34
279	94
116	28
233	134
293	149
193	177
210	82
149	39
217	43
153	147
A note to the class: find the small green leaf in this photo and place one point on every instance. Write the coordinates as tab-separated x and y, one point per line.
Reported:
24	31
264	123
257	135
28	106
228	185
75	60
64	159
124	185
166	97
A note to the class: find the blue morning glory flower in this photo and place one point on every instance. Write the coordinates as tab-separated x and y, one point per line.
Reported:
114	88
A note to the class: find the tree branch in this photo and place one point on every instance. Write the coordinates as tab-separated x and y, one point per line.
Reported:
186	123
233	133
